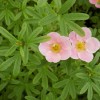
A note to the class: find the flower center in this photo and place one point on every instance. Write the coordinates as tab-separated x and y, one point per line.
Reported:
98	1
56	47
80	46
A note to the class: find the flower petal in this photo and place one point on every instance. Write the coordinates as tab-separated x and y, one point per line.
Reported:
92	1
92	44
74	54
97	5
87	33
72	37
65	54
85	56
53	57
43	48
54	36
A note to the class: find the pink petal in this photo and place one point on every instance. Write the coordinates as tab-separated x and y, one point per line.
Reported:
43	48
72	37
53	57
65	54
93	1
54	36
74	53
65	43
87	33
92	44
85	56
97	5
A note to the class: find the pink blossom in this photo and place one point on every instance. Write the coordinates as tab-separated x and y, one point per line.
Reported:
83	47
96	2
56	49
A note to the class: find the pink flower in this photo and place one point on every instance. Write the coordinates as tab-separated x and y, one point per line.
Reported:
83	47
56	49
96	2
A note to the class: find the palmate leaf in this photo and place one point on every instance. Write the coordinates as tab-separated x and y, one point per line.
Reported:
76	16
7	35
66	6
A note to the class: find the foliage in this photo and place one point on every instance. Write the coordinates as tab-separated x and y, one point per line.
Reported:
24	72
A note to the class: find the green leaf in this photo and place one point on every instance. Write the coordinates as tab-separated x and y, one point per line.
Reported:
45	81
11	50
7	18
41	39
65	92
29	10
75	27
24	4
22	52
50	96
90	92
23	31
72	89
96	59
84	88
2	15
76	16
7	35
36	60
57	4
6	64
16	69
26	54
35	33
30	98
18	15
96	88
82	75
51	75
60	84
37	78
63	27
3	85
48	19
11	15
66	6
41	2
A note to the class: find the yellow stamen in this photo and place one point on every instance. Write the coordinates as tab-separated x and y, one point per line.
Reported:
56	47
80	46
